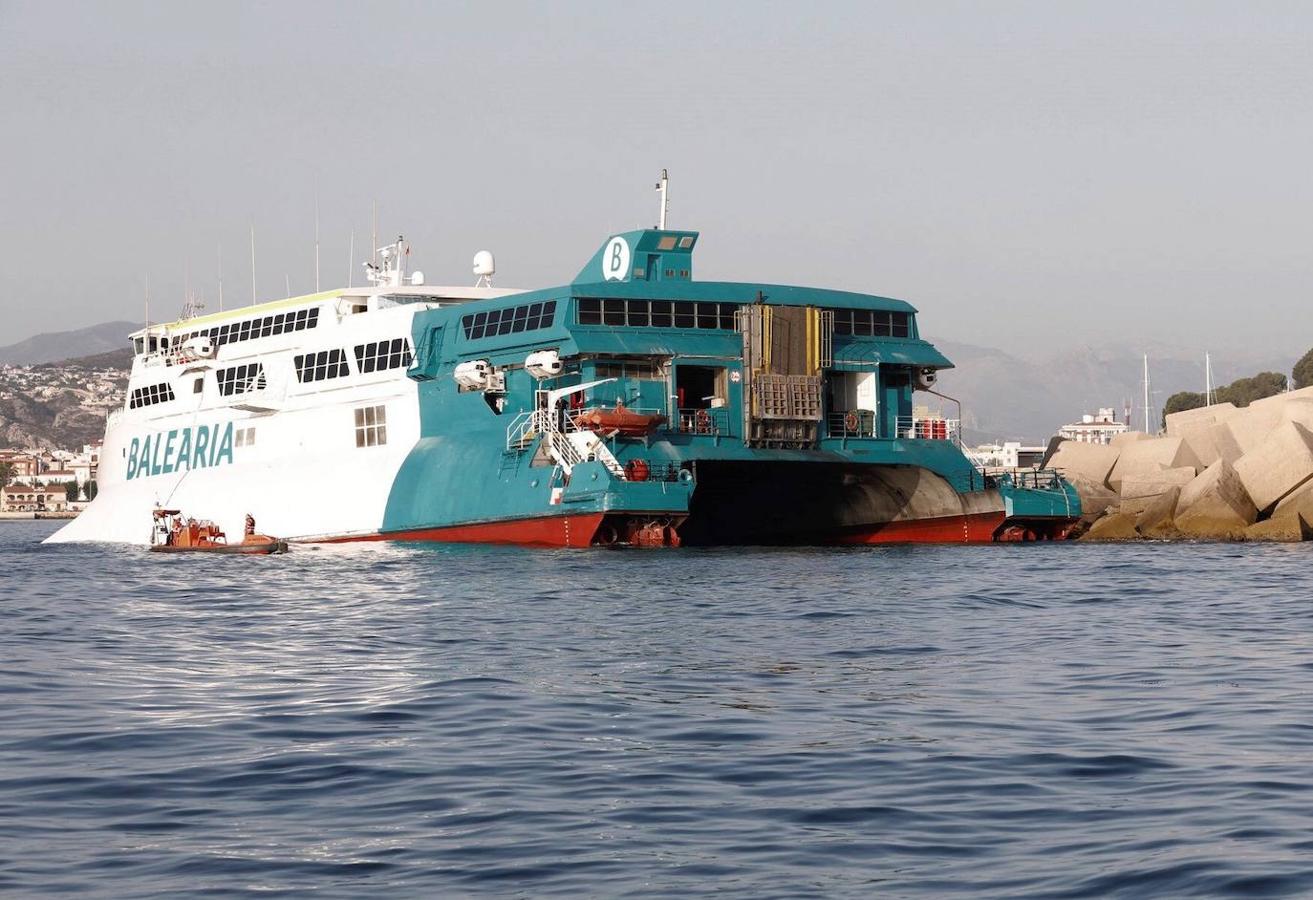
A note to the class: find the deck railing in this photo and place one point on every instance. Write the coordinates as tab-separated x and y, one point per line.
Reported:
848	423
711	421
933	428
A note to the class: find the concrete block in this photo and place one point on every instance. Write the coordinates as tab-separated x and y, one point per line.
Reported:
1139	490
1225	443
1198	436
1298	410
1278	465
1129	437
1298	502
1215	505
1114	526
1252	425
1286	528
1095	497
1146	457
1218	412
1157	520
1091	462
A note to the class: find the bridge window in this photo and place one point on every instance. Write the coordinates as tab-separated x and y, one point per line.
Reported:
377	356
320	366
517	319
872	323
150	395
617	313
265	326
240	379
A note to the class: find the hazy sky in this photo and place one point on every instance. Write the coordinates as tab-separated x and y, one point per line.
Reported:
1022	172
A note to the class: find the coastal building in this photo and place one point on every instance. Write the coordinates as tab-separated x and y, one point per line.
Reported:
22	463
1099	428
26	498
1005	455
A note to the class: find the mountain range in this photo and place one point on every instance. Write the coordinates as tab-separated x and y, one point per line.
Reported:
1004	395
61	345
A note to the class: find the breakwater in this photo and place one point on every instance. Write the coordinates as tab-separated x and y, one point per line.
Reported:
1216	473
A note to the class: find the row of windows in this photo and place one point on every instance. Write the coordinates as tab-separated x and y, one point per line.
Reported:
529	317
320	366
872	323
657	313
150	395
371	426
633	370
280	323
376	356
240	379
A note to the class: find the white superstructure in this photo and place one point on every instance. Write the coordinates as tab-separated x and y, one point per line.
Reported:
1096	428
298	412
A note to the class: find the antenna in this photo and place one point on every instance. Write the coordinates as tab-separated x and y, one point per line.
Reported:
316	242
484	267
351	261
147	299
373	237
1208	379
253	265
663	186
287	284
220	277
1146	395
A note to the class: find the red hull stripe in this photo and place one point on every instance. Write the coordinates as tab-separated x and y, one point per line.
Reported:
973	529
549	531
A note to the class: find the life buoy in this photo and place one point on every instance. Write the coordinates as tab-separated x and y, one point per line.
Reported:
702	421
851	422
637	470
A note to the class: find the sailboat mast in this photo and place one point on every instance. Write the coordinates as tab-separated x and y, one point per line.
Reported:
1147	429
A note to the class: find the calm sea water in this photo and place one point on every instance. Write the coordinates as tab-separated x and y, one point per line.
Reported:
1057	721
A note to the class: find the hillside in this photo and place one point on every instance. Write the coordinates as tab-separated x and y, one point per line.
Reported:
61	345
1007	397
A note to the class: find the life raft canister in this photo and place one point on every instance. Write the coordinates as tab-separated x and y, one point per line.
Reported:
637	470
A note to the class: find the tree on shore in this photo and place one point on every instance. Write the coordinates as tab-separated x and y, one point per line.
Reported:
1304	371
1241	392
71	491
91	489
6	474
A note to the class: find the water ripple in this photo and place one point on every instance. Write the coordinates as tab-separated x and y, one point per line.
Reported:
1047	721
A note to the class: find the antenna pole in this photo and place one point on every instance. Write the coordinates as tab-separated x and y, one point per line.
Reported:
351	261
287	284
316	242
220	277
373	237
1208	379
253	265
1146	395
147	299
663	186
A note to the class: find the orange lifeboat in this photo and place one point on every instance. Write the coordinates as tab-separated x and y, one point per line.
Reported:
621	420
175	533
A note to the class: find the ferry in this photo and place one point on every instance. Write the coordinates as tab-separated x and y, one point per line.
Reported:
635	405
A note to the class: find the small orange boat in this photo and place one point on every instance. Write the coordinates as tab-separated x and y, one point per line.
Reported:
174	533
621	420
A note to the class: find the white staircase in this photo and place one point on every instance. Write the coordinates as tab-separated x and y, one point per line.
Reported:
567	447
